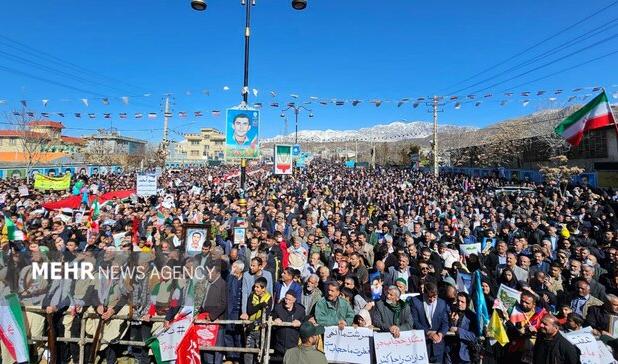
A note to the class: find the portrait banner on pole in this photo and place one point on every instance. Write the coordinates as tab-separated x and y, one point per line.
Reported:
242	133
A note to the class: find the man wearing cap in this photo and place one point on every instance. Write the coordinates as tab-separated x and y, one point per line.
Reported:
306	353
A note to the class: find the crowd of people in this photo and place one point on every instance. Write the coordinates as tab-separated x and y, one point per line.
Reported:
329	246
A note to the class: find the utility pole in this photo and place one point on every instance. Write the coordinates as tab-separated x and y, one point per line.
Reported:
285	127
373	154
166	123
435	136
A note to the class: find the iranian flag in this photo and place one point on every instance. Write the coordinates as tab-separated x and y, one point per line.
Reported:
9	228
12	328
594	115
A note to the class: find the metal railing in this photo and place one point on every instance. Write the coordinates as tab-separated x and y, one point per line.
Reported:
263	352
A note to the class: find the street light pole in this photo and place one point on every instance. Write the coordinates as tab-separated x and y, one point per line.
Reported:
296	112
245	94
296	127
200	5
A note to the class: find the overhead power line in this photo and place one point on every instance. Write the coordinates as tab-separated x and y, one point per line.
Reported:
549	63
581	38
53	82
562	31
59	61
562	71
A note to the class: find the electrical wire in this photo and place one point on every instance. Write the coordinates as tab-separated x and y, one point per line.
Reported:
562	70
581	38
564	30
549	63
59	61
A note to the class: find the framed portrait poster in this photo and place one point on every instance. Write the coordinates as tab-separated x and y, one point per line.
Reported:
194	237
613	326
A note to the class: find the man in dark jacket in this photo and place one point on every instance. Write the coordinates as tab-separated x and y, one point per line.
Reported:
234	296
553	348
287	311
392	314
464	328
215	304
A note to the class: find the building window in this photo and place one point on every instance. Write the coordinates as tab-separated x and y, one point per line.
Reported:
195	153
12	141
195	142
594	145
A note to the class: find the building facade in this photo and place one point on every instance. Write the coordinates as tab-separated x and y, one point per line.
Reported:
112	142
207	145
37	142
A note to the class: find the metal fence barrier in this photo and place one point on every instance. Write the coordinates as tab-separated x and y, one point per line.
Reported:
263	352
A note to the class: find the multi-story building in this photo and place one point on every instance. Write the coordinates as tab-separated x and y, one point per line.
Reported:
110	141
37	142
207	145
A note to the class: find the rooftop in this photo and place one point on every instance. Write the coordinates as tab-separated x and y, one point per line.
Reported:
46	123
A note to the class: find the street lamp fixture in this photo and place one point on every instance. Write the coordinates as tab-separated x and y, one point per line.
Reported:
296	109
299	4
199	5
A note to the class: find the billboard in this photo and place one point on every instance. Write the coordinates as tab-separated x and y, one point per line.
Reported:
283	159
242	133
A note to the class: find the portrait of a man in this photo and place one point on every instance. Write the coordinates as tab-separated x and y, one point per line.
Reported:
195	236
242	134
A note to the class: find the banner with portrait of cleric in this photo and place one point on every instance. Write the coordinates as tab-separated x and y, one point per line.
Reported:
242	133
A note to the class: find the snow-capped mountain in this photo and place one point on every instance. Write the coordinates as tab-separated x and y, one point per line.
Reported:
395	131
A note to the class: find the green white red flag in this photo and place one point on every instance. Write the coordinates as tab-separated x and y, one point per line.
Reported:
13	329
594	115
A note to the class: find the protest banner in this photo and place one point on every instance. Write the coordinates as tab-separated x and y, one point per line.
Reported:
464	282
409	347
592	351
507	298
47	183
146	185
350	345
468	249
239	235
23	191
170	338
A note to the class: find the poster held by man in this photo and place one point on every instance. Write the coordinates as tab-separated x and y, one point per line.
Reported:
195	236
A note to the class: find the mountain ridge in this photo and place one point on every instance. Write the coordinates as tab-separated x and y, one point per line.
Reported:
394	131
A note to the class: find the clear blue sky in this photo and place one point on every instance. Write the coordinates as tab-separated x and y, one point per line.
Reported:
333	49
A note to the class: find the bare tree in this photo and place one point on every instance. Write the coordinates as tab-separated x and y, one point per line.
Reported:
32	144
99	151
558	172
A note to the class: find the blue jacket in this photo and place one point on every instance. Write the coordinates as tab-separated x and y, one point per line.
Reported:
234	297
294	287
439	323
457	345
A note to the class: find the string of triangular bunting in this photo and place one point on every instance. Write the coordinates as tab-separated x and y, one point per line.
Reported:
457	100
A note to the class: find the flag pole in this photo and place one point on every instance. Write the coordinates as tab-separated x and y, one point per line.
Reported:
611	112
